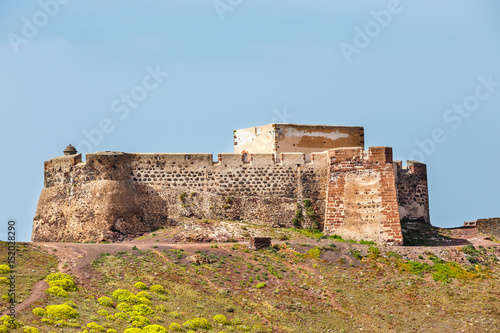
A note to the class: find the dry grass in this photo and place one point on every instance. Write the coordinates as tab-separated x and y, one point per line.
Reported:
304	286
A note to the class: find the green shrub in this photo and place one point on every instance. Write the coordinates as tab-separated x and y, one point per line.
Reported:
103	313
124	307
136	300
196	323
10	322
157	289
314	253
374	252
111	331
143	294
140	321
123	294
4	280
4	269
140	285
105	301
57	276
71	303
133	330
121	315
470	250
299	218
30	329
48	321
260	285
57	291
3	329
175	327
356	254
61	311
110	317
132	314
311	213
221	319
61	323
58	281
142	300
66	284
96	327
39	312
155	329
143	309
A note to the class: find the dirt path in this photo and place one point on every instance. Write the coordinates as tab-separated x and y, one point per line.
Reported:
37	292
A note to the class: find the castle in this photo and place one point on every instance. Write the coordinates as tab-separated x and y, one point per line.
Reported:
279	175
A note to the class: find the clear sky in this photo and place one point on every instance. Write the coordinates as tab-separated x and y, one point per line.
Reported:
421	76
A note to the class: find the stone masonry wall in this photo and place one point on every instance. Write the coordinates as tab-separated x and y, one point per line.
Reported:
134	193
413	193
489	226
263	190
361	195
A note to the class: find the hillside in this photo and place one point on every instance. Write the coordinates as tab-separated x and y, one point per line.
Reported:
305	282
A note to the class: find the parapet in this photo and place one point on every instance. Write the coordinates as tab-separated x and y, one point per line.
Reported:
63	162
412	167
376	155
179	159
234	160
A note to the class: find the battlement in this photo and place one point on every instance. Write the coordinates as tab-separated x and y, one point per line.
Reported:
62	162
223	159
412	167
352	157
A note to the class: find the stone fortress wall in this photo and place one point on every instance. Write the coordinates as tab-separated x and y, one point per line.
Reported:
355	193
489	226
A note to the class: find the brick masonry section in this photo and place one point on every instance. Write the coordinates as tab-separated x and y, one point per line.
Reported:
361	195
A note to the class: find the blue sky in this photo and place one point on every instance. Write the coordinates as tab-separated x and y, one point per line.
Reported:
237	63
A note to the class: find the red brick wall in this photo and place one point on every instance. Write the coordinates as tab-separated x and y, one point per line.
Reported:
361	195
